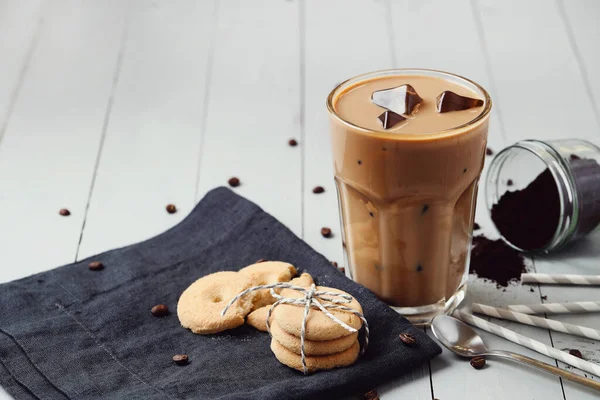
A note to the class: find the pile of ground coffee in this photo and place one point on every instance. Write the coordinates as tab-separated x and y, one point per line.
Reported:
496	261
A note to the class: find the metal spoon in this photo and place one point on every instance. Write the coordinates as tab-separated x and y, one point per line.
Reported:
461	339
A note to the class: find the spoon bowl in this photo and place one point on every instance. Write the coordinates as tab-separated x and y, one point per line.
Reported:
457	336
461	339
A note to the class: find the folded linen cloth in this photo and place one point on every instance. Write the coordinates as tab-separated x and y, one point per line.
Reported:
75	333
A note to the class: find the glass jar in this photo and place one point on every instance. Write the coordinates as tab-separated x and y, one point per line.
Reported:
542	195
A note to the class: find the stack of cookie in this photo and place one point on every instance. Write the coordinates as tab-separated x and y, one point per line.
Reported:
327	344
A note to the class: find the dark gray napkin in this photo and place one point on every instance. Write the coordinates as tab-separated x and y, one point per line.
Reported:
76	333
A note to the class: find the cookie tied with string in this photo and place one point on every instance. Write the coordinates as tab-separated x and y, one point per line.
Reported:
319	326
317	316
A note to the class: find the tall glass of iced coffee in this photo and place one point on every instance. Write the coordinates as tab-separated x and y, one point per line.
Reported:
408	149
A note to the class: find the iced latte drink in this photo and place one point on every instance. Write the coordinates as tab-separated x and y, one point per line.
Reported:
408	149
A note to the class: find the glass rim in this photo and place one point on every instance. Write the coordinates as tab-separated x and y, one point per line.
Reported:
340	88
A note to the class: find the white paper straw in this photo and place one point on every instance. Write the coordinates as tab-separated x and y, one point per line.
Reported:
561	279
537	321
528	342
557	308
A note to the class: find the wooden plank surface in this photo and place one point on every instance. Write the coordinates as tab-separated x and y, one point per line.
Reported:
254	107
150	153
114	109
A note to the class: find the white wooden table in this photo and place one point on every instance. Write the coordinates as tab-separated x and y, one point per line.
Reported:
114	109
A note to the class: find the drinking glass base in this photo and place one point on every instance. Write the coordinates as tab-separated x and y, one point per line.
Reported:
423	315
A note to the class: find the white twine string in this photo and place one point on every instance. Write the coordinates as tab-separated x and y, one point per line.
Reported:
310	300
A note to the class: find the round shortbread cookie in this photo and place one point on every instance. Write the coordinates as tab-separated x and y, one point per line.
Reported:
267	272
200	305
319	326
311	347
304	280
258	318
315	363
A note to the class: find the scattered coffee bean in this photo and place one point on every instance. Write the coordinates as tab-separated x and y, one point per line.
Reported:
293	142
234	182
96	266
181	359
489	152
335	264
326	232
407	338
476	226
318	189
576	353
477	362
160	310
359	162
371	395
342	270
425	209
171	209
509	182
260	261
64	212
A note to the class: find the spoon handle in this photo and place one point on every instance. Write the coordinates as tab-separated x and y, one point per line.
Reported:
544	366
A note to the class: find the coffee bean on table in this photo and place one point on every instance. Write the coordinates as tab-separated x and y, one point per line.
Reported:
234	182
407	338
489	151
181	359
477	362
326	232
64	212
293	142
576	353
96	265
160	310
171	209
318	189
371	395
509	182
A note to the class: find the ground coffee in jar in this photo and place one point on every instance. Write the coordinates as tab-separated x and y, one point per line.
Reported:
542	195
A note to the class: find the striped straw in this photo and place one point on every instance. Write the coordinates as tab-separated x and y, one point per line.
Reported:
561	279
528	342
557	308
537	321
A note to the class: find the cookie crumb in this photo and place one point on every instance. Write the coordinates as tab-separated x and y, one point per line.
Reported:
64	212
171	209
293	142
326	232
